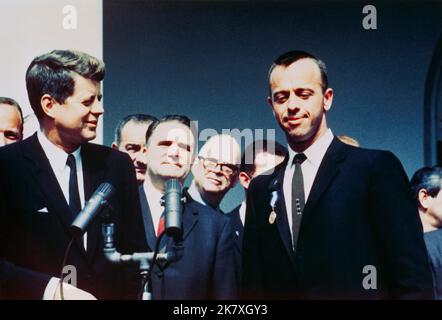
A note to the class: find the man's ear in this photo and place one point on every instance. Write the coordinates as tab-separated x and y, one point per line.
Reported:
424	199
244	179
328	99
114	146
270	102
47	104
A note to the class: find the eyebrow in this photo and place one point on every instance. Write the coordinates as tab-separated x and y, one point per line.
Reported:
92	97
133	145
185	146
304	90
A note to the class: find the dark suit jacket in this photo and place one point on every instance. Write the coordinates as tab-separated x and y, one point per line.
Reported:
32	244
359	213
238	229
206	267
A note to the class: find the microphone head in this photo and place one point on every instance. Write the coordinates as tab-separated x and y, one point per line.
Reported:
173	207
92	207
173	185
105	190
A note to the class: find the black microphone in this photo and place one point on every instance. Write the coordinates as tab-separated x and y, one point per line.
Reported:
95	204
173	208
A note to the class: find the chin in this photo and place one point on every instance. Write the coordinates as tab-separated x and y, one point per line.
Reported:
89	136
140	178
169	174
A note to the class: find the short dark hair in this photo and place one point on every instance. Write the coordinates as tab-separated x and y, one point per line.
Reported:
286	59
428	178
137	118
13	103
172	117
52	73
256	147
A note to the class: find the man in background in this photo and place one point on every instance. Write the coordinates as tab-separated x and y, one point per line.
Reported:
426	184
215	171
130	136
258	158
11	121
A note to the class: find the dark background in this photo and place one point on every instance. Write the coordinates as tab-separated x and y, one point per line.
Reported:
209	60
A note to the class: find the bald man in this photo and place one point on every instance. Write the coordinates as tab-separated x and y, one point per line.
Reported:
216	170
11	121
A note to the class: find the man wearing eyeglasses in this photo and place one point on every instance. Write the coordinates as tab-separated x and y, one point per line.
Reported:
216	170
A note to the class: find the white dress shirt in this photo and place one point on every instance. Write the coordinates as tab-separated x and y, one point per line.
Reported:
57	160
153	196
242	212
315	153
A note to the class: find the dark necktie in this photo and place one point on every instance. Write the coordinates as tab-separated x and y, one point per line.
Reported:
298	197
74	195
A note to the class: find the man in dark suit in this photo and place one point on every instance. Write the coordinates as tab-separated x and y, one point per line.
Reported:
334	221
46	180
426	185
205	268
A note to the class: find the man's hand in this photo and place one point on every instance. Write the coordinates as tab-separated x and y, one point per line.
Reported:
72	293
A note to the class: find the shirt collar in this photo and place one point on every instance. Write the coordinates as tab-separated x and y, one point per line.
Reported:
316	151
196	195
57	157
153	195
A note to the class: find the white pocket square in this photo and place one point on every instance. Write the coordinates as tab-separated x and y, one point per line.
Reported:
43	210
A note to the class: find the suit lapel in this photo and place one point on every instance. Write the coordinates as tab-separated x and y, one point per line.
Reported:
190	215
328	170
93	173
147	219
48	184
282	223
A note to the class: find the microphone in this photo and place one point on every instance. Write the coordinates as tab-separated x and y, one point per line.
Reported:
173	208
95	204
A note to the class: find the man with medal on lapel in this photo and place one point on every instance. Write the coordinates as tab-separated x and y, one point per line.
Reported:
332	211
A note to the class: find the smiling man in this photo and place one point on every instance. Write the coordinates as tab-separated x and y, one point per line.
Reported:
47	178
216	170
317	224
206	267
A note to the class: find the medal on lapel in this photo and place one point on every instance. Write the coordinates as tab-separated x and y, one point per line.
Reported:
273	200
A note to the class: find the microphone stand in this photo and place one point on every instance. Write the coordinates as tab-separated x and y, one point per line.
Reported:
144	259
173	210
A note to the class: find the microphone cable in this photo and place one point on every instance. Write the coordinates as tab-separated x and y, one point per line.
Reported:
154	260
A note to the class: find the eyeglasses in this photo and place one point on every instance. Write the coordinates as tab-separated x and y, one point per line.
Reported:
226	168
